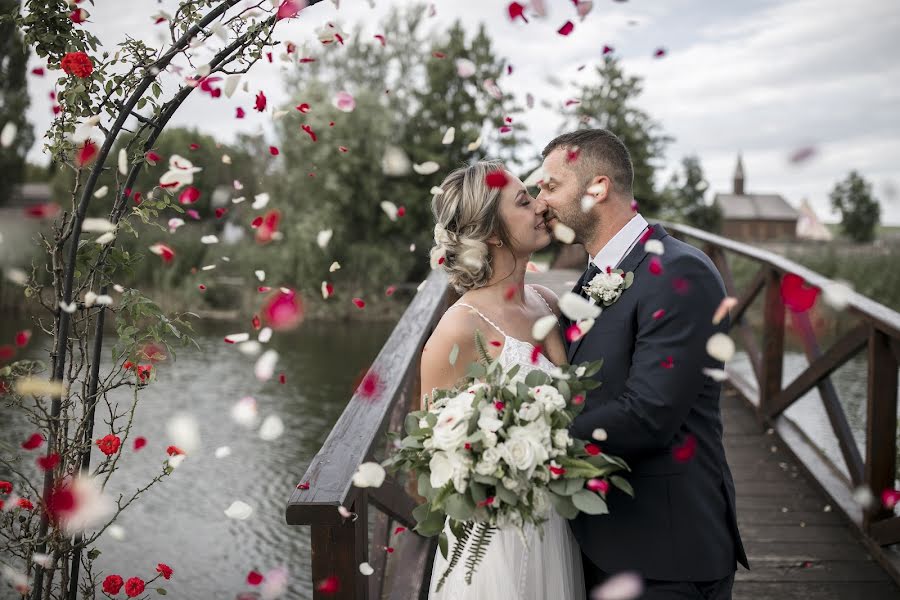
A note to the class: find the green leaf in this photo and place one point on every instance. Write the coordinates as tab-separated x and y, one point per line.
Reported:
506	495
536	378
629	279
564	506
161	591
478	491
420	513
94	553
459	507
566	487
589	502
432	525
425	488
411	425
442	544
622	484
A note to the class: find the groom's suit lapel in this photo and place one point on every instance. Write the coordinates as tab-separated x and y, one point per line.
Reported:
631	262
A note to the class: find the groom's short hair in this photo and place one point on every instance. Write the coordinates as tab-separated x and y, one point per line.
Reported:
600	152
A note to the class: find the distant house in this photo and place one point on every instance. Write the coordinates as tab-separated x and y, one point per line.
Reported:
755	217
29	194
809	227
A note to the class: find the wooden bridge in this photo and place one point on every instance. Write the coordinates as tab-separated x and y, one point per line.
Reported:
805	530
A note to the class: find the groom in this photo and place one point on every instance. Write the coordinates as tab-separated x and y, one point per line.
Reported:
656	408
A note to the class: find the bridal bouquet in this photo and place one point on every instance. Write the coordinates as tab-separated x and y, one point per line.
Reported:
495	452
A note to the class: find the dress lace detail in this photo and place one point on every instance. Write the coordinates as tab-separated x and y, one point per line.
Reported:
512	570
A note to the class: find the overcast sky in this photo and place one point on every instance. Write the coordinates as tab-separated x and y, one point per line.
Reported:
763	77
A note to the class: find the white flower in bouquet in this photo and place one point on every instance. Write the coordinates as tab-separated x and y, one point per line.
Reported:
557	466
490	439
490	459
450	431
561	438
510	483
489	421
449	466
530	411
549	397
541	475
518	452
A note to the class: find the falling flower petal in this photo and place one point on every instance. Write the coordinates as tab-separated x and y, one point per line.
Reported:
265	365
465	68
366	569
654	247
395	162
566	29
184	431
260	103
223	452
577	308
543	326
369	474
472	147
426	168
716	374
720	346
239	511
837	294
655	266
329	585
516	11
344	101
563	233
685	451
86	154
449	136
289	9
626	585
308	129
272	428
164	251
796	294
8	134
327	290
390	209
727	303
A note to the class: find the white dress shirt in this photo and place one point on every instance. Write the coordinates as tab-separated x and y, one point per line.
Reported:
621	244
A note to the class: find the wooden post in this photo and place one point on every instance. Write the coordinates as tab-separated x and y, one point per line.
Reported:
881	424
337	551
773	343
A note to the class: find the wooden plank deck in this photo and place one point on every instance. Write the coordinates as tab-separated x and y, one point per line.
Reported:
797	547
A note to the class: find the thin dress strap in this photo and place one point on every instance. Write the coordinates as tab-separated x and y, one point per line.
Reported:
494	325
544	300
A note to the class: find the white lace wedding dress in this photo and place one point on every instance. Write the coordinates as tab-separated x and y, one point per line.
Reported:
544	568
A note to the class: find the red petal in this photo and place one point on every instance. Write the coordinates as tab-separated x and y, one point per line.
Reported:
239	113
592	449
304	108
33	442
660	52
667	364
685	451
607	50
22	337
573	333
87	153
496	179
390	290
139	442
329	585
254	578
283	310
380	38
47	463
273	150
655	265
309	130
796	294
359	302
399	530
516	10
194	146
189	195
535	353
567	28
659	314
260	104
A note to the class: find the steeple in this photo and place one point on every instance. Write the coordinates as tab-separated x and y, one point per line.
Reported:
739	177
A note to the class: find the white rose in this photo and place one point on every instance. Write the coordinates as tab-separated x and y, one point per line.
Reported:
561	438
519	453
490	439
489	421
529	411
488	463
441	470
614	280
423	423
451	429
510	484
549	397
463	403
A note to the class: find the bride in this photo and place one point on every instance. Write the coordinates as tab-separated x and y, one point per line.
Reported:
484	236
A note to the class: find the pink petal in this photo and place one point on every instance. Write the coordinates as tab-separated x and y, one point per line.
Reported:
283	310
567	28
189	195
516	10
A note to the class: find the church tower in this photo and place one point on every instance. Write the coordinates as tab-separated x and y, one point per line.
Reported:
739	177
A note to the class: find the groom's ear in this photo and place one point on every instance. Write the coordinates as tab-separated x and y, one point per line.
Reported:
599	188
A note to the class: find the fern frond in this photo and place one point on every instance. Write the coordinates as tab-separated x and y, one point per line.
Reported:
479	547
483	355
458	548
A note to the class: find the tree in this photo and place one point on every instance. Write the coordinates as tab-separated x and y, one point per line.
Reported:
609	104
684	200
13	100
860	212
401	102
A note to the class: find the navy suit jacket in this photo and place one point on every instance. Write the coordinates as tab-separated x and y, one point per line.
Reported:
654	399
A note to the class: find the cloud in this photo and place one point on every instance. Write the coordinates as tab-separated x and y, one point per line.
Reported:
762	77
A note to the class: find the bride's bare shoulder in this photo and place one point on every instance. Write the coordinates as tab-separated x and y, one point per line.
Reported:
456	327
549	297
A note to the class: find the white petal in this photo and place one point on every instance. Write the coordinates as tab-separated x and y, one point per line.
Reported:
103	300
369	474
116	532
209	239
119	288
449	136
473	146
435	190
96	224
236	338
239	510
123	162
465	68
184	431
207	267
69	308
250	348
101	192
334	267
837	294
654	247
390	209
576	308
563	233
716	374
244	412
323	237
231	83
395	163
223	452
8	135
366	569
720	347
534	177
426	168
621	586
325	293
106	238
175	223
260	201
864	496
265	334
45	559
265	365
543	326
226	159
599	435
93	506
587	202
260	274
272	428
342	510
175	461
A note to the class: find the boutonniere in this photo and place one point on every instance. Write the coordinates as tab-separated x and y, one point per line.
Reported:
605	288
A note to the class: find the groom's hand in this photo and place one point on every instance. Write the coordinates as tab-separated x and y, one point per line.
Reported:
666	374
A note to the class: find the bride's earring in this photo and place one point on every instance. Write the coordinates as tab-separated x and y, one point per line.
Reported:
500	244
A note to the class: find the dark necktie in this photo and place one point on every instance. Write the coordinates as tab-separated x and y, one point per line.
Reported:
586	277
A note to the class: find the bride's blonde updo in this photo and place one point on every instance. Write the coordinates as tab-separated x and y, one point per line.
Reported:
466	215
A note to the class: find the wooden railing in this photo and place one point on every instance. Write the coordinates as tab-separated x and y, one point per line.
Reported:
874	328
340	545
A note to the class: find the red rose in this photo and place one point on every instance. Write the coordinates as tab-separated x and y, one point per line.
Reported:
77	63
5	487
173	450
134	587
25	503
165	569
112	584
109	444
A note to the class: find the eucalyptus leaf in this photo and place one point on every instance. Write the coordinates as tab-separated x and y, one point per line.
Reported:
622	484
589	502
563	505
459	507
